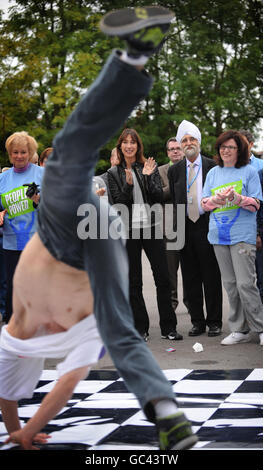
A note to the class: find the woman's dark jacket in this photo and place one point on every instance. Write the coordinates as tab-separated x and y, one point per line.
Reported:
122	192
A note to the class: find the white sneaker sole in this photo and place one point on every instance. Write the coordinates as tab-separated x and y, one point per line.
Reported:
245	340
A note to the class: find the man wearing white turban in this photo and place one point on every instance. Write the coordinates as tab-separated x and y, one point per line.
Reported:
187	127
200	271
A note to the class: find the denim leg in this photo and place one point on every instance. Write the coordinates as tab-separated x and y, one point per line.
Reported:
67	181
106	263
101	112
67	184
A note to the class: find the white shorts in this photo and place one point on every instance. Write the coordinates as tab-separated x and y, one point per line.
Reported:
22	360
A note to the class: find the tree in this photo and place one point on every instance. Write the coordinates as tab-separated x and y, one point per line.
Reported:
50	51
209	71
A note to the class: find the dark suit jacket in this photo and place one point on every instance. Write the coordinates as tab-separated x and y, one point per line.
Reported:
177	181
163	170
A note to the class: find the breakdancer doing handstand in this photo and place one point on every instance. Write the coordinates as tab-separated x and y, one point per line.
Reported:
66	287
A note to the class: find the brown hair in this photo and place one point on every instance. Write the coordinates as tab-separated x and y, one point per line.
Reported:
139	154
242	147
45	154
19	137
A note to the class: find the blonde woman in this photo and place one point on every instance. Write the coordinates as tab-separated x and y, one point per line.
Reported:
18	216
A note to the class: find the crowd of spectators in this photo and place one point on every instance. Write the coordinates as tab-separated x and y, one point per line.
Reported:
223	226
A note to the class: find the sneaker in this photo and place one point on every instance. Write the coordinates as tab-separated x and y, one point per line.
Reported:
143	28
235	338
173	336
174	432
261	339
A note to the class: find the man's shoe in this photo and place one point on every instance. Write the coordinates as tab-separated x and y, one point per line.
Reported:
214	331
236	338
173	335
143	28
196	331
145	337
174	432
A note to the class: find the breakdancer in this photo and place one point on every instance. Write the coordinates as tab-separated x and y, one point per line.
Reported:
64	282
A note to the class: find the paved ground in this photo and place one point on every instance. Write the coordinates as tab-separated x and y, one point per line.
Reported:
219	389
214	356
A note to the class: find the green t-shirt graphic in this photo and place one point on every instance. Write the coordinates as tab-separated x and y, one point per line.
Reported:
16	202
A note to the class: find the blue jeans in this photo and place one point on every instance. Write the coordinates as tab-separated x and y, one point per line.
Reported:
67	184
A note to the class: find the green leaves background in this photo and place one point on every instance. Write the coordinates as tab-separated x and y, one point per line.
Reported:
210	70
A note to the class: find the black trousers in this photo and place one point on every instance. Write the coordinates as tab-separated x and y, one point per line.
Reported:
156	253
11	258
201	275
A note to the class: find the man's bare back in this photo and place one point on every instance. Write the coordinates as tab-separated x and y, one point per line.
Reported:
47	293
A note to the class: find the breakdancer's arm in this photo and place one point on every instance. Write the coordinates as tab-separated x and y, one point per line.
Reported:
53	402
10	415
12	423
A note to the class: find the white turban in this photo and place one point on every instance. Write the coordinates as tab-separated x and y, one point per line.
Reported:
189	128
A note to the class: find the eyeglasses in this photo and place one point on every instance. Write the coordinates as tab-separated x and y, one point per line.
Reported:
228	147
174	149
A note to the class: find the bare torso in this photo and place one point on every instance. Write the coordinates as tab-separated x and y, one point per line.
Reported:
47	292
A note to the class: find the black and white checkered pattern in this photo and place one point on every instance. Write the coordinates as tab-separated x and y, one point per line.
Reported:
224	406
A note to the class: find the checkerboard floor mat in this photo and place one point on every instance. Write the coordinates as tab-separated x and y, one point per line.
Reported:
224	406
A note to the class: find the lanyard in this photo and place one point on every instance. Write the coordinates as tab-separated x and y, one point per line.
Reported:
188	185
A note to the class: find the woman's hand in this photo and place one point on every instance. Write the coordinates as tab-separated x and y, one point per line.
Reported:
35	198
219	199
227	195
149	166
100	191
129	178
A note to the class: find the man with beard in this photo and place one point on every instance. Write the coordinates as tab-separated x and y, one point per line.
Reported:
175	154
200	272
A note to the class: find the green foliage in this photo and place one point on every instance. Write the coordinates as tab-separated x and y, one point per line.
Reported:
210	70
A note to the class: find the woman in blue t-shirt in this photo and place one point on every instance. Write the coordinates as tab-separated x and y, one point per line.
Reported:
232	192
18	215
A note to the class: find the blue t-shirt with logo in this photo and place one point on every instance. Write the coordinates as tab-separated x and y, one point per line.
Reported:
20	219
231	224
